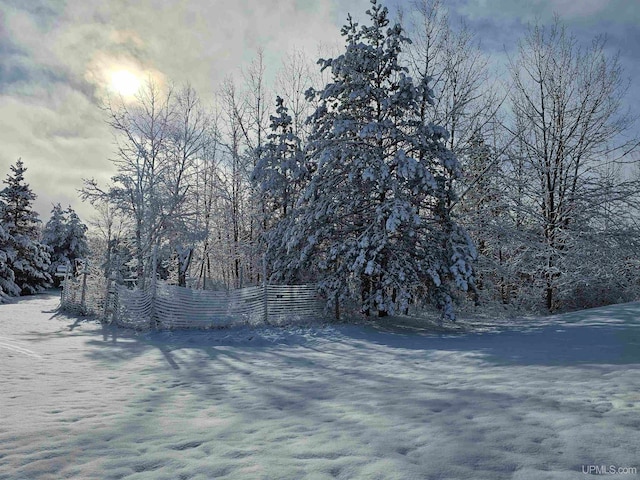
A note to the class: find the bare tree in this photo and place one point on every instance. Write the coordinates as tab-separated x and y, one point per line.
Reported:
236	186
568	123
295	77
109	227
245	107
465	100
207	199
189	137
142	131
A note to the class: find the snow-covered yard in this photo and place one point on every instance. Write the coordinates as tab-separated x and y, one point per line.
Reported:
543	399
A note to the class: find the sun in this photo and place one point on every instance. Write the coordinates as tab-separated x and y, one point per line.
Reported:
125	83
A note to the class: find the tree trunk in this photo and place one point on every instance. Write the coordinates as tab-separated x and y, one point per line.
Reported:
139	257
365	293
382	312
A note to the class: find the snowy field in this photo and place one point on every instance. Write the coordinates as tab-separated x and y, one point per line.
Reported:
544	399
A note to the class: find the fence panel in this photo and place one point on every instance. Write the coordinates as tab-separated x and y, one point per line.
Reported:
85	298
134	308
177	307
292	302
173	307
247	305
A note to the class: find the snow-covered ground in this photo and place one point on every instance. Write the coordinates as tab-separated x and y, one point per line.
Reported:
544	399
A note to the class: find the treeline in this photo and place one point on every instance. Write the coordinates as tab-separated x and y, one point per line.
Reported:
400	171
30	253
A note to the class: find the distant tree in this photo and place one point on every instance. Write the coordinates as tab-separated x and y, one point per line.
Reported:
234	186
66	237
294	78
569	127
280	171
208	200
142	188
248	121
279	178
374	221
77	233
24	254
190	136
54	236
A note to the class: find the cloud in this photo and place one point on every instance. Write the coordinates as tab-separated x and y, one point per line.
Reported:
501	23
586	11
58	57
60	142
572	9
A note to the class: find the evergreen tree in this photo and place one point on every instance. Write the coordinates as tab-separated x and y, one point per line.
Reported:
374	221
77	235
25	255
65	235
8	286
280	172
279	175
54	235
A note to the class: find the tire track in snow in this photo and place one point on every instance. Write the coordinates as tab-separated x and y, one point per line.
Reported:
17	348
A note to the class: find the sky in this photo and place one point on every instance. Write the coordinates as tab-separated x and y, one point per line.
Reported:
59	58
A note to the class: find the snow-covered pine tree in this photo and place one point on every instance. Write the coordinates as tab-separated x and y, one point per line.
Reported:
65	235
279	176
374	221
26	256
78	245
54	235
8	286
280	172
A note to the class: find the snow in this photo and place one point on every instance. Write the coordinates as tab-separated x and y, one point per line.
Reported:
536	399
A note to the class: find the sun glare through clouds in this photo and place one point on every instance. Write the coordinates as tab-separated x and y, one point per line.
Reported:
125	83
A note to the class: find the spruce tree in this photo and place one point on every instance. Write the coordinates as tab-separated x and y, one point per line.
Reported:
77	234
26	256
280	172
279	176
8	286
374	221
65	235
